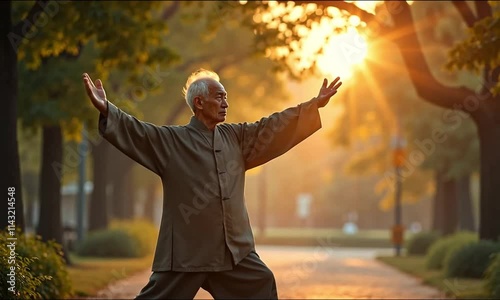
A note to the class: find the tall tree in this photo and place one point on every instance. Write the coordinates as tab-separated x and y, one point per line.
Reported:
58	98
11	177
394	21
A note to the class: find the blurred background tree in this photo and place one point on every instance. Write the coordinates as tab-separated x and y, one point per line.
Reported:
284	30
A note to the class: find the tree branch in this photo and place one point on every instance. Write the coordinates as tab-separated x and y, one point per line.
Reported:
465	11
426	85
370	19
171	10
351	8
228	62
483	9
25	25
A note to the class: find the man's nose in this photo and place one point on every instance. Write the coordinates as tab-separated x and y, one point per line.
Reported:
225	104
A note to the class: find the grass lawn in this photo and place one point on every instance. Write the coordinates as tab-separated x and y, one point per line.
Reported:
91	274
454	287
312	236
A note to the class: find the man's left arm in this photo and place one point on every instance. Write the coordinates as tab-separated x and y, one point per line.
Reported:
274	135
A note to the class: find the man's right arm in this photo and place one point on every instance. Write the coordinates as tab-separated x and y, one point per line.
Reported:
143	142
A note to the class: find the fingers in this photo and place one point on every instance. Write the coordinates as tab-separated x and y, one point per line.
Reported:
87	82
333	83
337	85
98	83
324	83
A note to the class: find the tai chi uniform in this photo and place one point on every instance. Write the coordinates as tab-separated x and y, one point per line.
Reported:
205	239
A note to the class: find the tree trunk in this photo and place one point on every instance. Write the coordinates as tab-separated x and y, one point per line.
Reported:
98	204
450	203
438	207
482	107
121	199
10	176
445	217
489	137
149	205
50	221
466	209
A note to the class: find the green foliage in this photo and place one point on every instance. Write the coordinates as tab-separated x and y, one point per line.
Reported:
122	239
438	252
471	260
95	37
143	232
108	243
419	244
480	48
492	276
40	269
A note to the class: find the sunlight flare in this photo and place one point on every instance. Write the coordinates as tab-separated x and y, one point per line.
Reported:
342	54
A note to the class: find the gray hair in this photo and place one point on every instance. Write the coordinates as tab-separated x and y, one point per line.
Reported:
196	87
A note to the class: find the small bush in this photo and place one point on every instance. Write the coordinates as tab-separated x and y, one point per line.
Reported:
144	233
40	269
493	277
471	260
436	255
108	243
419	243
123	239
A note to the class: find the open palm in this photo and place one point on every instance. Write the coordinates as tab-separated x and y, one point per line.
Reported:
96	93
326	92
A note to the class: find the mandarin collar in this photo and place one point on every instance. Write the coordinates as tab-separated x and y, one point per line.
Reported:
197	124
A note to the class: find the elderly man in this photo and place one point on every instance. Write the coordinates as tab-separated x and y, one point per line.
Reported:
205	237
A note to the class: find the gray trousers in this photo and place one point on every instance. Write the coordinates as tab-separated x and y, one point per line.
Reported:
250	279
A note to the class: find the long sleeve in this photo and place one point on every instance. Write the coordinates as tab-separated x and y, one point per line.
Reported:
274	135
145	143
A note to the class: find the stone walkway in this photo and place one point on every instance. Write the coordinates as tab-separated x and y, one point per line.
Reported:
315	273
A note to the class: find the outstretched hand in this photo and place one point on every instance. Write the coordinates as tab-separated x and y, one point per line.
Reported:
326	92
96	94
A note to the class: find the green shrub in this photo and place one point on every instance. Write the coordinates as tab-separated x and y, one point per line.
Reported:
144	234
123	239
437	253
40	269
108	243
471	260
419	244
493	277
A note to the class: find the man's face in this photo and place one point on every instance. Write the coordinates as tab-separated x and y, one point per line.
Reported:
215	105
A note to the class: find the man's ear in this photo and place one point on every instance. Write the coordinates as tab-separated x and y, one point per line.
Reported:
197	102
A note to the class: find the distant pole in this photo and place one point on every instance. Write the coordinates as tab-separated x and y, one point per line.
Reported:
398	145
398	239
80	207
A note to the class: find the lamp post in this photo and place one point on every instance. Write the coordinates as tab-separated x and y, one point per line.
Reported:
398	146
80	207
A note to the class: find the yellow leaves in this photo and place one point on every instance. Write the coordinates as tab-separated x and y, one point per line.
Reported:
72	130
142	57
414	188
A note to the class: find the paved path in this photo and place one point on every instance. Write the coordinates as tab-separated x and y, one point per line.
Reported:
315	273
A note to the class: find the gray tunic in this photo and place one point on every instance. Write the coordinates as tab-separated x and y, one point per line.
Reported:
204	222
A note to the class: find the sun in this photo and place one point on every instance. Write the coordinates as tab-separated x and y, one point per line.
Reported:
342	54
321	46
